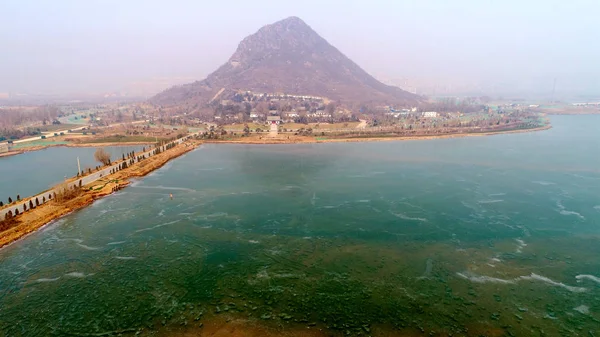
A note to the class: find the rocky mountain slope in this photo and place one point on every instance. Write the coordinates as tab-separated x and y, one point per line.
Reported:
288	57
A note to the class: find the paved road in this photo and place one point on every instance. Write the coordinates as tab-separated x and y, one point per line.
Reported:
48	135
84	181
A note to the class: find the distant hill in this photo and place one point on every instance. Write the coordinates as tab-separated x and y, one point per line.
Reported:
288	57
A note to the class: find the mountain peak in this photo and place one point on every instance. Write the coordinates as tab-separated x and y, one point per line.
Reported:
292	20
288	56
290	34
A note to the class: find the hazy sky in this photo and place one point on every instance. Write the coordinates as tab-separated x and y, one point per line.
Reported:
65	46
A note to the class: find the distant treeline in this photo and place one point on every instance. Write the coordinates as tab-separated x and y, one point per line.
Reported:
14	117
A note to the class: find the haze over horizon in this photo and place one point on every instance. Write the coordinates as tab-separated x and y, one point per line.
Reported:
433	47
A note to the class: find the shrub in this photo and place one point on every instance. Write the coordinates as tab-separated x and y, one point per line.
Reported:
102	156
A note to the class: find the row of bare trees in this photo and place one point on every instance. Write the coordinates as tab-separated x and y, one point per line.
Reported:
60	194
12	117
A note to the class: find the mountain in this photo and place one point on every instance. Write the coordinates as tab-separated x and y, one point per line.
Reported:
288	57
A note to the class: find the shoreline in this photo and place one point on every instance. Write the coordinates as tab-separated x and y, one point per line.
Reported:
11	153
45	214
314	139
298	140
40	216
43	147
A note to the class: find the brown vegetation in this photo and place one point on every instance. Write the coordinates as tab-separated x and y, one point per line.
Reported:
64	192
102	156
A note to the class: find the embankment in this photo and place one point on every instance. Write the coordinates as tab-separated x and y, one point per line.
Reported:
286	138
30	221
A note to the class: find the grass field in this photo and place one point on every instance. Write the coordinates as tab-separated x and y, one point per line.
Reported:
53	127
41	142
122	139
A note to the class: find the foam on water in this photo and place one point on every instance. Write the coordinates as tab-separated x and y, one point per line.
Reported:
125	257
406	217
583	309
484	279
77	274
87	247
532	277
157	226
69	239
490	201
253	241
44	280
115	243
543	183
428	269
588	277
544	279
520	245
53	224
562	210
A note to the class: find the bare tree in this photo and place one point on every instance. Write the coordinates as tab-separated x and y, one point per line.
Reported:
102	156
64	192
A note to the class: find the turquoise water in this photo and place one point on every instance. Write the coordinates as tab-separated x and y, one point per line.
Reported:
469	236
33	172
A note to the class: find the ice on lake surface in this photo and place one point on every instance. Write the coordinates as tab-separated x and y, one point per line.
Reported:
457	236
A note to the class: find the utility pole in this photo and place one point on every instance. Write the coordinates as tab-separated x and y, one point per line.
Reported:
78	166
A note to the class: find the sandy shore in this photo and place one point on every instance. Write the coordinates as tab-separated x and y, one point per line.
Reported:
11	153
33	220
291	139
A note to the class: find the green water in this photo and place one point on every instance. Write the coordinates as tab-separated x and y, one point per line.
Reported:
471	236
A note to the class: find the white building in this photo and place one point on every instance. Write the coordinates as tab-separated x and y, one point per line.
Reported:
430	114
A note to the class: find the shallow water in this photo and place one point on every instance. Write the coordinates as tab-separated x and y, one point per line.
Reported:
33	172
466	236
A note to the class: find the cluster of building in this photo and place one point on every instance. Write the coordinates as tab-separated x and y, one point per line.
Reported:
290	116
397	113
596	104
279	96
